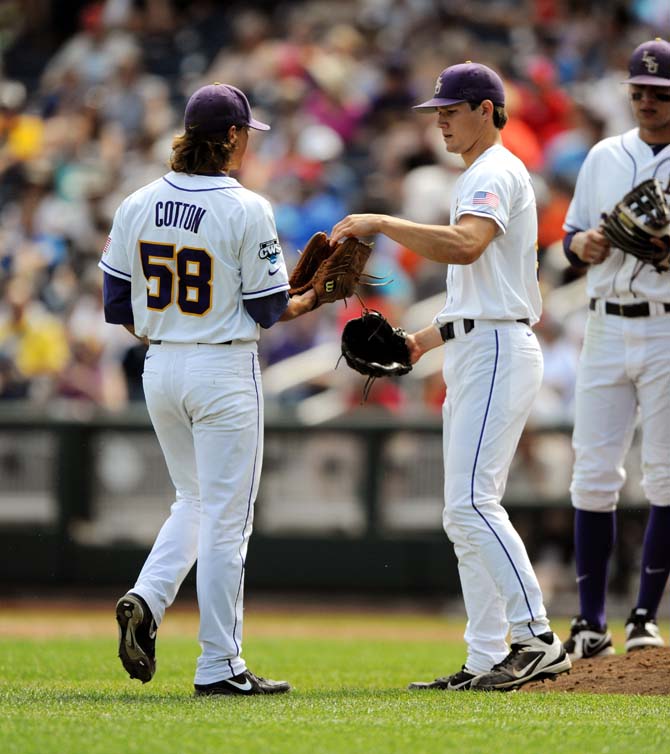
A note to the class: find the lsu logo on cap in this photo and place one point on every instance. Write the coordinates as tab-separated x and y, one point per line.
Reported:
650	62
438	84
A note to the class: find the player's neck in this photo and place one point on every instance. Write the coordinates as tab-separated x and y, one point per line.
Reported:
655	136
486	141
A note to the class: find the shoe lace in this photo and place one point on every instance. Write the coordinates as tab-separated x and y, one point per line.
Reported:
515	650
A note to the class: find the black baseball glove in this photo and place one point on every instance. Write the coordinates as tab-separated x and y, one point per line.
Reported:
640	225
373	347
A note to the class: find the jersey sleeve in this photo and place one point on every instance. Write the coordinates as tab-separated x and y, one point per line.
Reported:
261	259
487	194
114	260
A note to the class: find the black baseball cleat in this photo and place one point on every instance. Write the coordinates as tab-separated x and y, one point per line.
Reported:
587	640
137	637
460	681
244	684
534	659
642	631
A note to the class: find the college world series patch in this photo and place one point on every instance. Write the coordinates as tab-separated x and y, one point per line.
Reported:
269	250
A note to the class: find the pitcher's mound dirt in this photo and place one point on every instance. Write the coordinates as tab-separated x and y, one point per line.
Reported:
646	671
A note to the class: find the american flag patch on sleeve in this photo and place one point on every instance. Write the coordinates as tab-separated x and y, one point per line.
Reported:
487	198
105	248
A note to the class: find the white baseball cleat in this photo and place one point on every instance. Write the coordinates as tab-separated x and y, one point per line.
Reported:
587	640
641	631
534	659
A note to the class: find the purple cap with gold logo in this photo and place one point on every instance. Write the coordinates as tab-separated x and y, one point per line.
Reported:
214	108
650	64
465	82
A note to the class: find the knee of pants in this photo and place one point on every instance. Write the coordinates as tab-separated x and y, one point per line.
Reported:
656	483
463	521
594	500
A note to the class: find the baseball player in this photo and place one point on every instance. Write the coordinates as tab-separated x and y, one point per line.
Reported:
193	265
624	371
492	368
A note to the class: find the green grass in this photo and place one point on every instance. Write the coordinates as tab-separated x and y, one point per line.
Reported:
71	696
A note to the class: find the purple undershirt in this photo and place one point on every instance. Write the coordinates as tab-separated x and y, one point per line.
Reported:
265	310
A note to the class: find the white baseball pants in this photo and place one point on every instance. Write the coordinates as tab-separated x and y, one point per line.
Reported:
624	365
206	405
492	375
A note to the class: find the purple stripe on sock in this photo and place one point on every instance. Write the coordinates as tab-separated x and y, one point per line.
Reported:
594	541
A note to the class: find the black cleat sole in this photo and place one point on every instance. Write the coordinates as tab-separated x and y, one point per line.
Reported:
129	616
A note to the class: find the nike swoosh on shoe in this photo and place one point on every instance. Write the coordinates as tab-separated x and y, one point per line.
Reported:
246	686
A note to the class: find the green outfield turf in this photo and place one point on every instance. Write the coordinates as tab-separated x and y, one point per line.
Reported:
69	695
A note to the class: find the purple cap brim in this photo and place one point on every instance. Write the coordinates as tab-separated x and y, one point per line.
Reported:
436	102
258	125
647	80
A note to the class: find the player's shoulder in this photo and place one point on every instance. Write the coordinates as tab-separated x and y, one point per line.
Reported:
251	199
610	145
141	195
500	162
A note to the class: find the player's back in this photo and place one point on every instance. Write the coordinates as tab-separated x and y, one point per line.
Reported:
192	245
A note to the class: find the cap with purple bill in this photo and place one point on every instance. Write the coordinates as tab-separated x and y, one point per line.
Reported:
214	108
650	64
465	82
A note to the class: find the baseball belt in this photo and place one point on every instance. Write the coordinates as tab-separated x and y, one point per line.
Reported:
447	331
641	309
223	343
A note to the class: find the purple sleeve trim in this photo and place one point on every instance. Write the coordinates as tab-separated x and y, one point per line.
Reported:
281	286
125	275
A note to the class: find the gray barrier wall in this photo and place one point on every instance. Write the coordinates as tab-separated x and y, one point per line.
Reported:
351	506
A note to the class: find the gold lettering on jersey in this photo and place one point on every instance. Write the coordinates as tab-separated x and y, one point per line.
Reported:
650	62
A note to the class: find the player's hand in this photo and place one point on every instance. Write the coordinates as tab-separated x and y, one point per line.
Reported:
590	246
299	305
415	351
356	225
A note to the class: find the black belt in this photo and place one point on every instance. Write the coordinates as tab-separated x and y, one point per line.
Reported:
223	343
447	331
641	309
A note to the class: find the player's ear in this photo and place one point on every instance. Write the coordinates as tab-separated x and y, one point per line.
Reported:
487	108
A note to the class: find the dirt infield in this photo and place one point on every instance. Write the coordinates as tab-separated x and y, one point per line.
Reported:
646	671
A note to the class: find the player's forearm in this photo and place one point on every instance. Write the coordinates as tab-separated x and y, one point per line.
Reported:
422	341
450	244
462	243
298	305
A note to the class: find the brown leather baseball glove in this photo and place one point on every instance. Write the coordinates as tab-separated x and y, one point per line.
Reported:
333	273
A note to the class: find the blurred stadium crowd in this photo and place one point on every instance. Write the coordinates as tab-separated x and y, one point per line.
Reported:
91	96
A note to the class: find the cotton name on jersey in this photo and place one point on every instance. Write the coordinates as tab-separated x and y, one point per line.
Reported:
178	215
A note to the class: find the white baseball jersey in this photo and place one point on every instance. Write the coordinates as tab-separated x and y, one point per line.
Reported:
502	283
612	168
194	247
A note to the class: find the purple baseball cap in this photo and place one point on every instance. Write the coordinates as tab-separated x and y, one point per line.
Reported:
212	109
650	64
465	82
